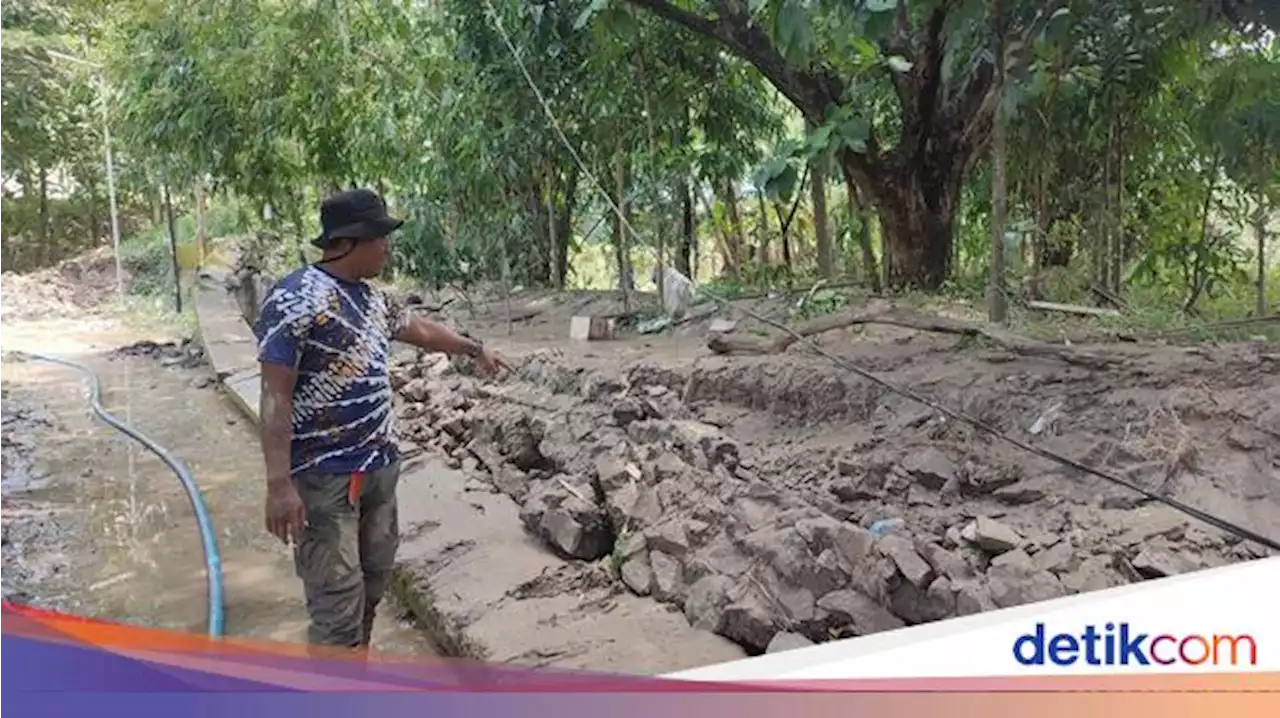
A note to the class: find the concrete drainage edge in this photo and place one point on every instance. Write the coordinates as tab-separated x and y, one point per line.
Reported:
419	600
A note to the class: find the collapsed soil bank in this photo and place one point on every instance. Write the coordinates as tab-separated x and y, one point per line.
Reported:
771	498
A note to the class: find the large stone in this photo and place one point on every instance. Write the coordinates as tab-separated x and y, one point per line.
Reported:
862	613
973	597
1019	494
913	568
704	445
786	552
991	535
749	622
668	577
1058	558
1148	522
1093	574
669	537
581	534
717	557
929	467
787	641
1016	561
1015	587
568	495
944	562
637	574
853	545
1158	563
917	605
706	602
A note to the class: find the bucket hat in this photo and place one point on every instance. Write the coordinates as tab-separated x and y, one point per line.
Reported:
354	214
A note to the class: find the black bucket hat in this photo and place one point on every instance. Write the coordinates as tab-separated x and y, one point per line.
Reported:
354	214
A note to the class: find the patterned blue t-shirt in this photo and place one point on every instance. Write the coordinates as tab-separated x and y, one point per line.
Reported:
337	334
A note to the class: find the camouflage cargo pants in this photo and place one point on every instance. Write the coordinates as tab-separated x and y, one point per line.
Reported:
347	551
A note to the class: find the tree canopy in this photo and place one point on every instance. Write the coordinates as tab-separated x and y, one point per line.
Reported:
1139	139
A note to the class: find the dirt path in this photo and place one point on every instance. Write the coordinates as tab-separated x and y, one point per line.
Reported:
96	525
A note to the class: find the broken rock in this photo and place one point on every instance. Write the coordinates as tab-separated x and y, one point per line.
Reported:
561	511
973	597
944	562
637	574
1158	563
863	614
787	641
705	605
1013	585
991	535
930	468
668	577
915	569
749	622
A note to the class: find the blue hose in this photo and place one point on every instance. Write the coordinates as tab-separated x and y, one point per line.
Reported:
212	560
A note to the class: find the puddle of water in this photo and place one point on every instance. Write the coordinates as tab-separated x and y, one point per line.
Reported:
109	532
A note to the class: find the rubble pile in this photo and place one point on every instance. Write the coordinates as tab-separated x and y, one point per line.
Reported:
776	545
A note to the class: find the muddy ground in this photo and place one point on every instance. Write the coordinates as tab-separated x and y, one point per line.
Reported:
781	499
95	525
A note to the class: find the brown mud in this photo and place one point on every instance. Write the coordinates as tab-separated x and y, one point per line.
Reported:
96	525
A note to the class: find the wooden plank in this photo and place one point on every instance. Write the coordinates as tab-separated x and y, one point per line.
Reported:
1073	309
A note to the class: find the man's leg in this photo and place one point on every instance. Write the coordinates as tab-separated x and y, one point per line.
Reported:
328	560
379	539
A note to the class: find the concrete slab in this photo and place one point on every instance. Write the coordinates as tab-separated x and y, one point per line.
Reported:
474	579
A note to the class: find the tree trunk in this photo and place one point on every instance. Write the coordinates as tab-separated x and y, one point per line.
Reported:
917	217
1260	233
46	246
173	247
620	244
202	218
95	218
729	266
996	305
684	253
1118	235
738	239
535	266
821	226
762	230
858	209
565	228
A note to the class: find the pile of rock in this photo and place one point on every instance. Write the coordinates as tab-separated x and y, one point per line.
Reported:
618	471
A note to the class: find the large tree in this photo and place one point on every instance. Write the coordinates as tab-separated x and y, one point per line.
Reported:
828	57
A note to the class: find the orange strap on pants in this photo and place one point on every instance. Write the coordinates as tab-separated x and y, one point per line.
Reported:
354	487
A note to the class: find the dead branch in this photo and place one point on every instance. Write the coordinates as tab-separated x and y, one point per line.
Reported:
1072	309
742	344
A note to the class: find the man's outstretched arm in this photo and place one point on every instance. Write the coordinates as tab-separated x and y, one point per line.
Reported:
436	337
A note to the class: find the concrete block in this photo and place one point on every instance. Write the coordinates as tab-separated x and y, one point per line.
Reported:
591	328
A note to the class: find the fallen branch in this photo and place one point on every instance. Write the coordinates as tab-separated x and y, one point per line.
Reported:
1114	299
1072	309
742	344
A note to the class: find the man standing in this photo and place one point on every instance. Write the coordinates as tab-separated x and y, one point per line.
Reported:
324	340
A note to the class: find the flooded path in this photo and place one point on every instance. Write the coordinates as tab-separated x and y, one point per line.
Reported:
96	525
